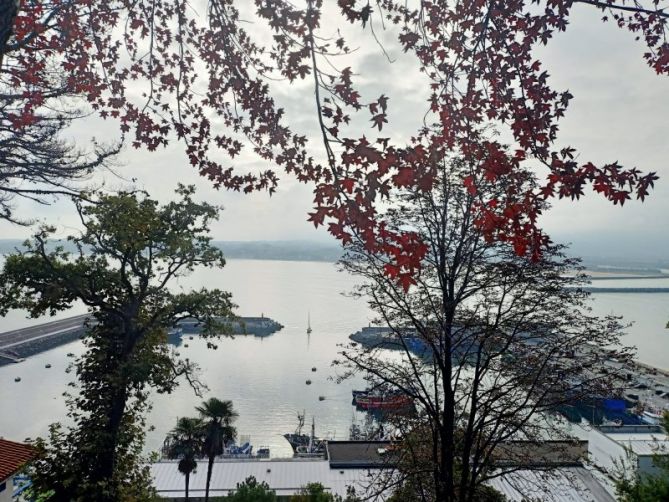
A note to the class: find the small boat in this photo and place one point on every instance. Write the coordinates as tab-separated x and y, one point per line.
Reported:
308	382
383	402
321	398
17	379
70	354
370	400
313	369
47	366
185	345
652	416
308	323
190	337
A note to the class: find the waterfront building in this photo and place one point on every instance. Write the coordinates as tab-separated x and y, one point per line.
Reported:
364	465
13	456
632	449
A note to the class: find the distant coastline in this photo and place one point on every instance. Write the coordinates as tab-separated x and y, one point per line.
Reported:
598	269
297	250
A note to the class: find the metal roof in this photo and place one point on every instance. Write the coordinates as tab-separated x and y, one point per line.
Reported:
567	484
360	454
285	476
642	444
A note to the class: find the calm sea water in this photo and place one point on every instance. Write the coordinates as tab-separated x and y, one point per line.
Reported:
265	377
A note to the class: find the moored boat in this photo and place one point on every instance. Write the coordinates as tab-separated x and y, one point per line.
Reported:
305	445
383	402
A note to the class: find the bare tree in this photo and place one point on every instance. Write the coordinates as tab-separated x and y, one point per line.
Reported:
36	107
490	343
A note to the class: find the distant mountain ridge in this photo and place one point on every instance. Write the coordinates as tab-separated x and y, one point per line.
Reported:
305	250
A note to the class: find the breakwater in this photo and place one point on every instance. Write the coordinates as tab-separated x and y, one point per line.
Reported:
18	344
626	290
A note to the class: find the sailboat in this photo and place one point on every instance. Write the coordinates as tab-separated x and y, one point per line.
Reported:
308	323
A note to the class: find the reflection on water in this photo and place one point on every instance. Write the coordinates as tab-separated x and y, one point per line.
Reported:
265	377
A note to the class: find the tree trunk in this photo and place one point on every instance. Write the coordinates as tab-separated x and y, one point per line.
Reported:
187	483
104	473
116	407
8	12
210	468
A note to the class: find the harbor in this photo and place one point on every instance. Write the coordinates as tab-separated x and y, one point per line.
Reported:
643	396
264	376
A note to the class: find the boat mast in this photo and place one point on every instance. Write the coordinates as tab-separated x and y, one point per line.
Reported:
313	435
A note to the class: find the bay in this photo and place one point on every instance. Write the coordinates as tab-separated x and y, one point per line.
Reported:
266	377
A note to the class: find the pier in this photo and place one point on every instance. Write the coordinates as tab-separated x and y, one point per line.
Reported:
18	344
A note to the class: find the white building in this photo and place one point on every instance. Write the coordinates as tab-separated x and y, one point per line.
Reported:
13	456
358	464
559	484
285	476
629	448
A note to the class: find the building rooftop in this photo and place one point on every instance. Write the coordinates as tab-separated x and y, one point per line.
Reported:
359	454
285	476
565	484
12	457
641	442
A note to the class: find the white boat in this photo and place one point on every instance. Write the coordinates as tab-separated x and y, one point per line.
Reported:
652	416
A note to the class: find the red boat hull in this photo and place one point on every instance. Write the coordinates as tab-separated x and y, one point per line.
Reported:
383	403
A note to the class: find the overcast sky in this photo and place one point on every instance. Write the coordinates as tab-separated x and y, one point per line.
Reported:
620	112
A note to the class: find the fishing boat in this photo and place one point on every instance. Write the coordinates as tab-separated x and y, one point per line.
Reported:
308	323
47	366
305	445
17	379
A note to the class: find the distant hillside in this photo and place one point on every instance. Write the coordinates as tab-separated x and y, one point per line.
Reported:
248	250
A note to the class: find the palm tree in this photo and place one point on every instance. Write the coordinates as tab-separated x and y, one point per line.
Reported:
187	443
217	416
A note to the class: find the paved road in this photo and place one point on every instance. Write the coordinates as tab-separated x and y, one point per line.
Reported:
10	339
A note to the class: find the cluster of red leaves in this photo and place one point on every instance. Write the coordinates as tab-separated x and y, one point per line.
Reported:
208	84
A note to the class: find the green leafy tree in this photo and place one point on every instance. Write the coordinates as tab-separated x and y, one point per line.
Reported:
187	444
128	253
252	491
316	492
218	417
